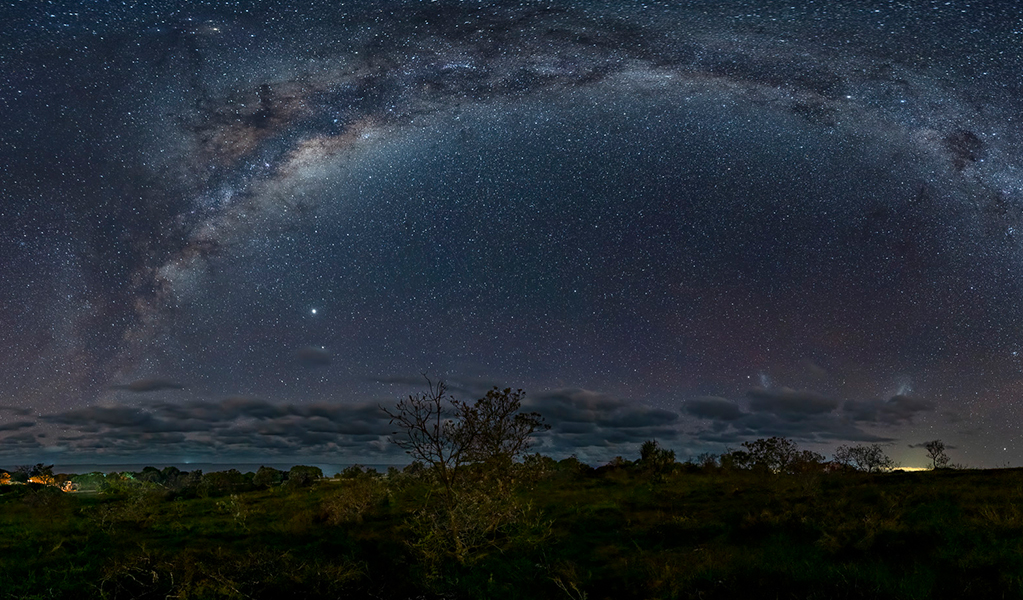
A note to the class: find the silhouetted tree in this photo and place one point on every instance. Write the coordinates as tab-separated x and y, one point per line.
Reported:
771	455
706	460
471	449
936	452
871	459
449	435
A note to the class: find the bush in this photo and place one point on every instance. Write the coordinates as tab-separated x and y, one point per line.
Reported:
301	476
220	483
358	495
267	477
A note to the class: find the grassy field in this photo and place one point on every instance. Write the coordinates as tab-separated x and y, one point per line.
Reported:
570	533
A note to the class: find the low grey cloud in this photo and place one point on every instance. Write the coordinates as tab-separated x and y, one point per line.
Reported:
16	425
574	405
17	410
801	415
20	442
141	386
924	445
597	425
713	407
790	403
102	416
592	424
898	409
235	425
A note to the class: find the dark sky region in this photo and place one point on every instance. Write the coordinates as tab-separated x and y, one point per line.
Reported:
231	230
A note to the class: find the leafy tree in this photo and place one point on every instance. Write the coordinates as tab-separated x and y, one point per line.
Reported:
183	483
150	474
22	473
219	483
651	453
936	452
735	459
655	459
805	461
870	459
573	466
92	482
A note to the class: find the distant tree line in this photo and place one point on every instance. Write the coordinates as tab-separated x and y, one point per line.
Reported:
171	482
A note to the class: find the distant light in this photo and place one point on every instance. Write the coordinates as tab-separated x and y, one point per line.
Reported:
313	311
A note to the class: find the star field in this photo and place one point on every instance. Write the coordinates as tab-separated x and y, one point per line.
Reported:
232	230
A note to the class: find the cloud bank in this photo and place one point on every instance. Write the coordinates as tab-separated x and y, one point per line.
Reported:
592	425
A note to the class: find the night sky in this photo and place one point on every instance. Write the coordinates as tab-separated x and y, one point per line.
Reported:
233	230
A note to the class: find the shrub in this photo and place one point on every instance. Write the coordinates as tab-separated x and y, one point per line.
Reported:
267	477
301	476
358	495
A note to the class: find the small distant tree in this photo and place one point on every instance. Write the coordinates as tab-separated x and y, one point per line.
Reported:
21	473
220	483
43	476
771	455
572	467
91	482
653	455
300	476
806	461
267	477
706	460
870	459
656	461
936	452
736	460
151	475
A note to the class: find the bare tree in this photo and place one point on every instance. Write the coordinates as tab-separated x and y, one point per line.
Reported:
471	448
871	459
449	434
936	452
429	433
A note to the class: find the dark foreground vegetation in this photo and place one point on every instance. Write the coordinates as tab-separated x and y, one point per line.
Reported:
646	529
475	516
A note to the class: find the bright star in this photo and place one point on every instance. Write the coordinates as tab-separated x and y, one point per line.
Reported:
313	311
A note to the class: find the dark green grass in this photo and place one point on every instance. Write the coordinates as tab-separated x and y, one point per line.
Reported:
618	534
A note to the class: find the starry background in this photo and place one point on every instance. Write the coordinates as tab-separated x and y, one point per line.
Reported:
232	231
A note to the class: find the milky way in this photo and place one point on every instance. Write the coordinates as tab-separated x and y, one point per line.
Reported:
233	231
